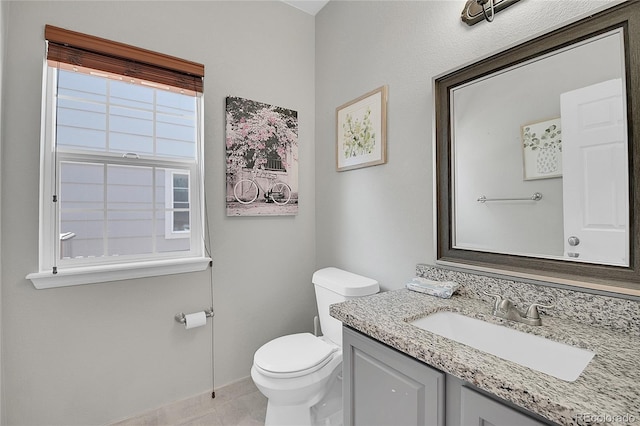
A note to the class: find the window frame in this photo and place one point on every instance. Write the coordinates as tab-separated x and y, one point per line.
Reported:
57	272
169	221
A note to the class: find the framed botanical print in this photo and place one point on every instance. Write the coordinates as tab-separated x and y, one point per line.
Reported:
361	131
542	149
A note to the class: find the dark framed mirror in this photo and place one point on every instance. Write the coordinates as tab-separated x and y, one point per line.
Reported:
537	156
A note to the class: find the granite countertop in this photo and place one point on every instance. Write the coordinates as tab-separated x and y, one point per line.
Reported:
606	391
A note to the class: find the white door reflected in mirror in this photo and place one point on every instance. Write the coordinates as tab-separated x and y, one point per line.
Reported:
595	174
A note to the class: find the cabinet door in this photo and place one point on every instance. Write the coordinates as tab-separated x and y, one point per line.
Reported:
479	410
383	387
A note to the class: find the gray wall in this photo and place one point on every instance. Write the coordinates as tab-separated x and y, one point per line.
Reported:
378	221
98	353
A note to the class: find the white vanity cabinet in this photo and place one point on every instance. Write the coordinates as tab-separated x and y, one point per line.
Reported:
384	387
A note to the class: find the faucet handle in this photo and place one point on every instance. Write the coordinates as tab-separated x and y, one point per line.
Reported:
498	298
532	311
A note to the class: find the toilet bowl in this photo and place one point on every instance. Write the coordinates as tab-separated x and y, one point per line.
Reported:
300	374
314	365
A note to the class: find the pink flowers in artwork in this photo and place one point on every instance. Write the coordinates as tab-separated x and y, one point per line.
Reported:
257	133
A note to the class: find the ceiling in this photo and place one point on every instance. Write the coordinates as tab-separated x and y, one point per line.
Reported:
310	6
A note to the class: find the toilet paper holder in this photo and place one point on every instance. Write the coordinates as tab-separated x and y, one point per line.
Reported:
180	317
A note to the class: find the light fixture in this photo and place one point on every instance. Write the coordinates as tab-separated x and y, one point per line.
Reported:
475	11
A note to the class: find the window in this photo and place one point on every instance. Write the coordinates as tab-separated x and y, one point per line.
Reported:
274	161
121	166
177	222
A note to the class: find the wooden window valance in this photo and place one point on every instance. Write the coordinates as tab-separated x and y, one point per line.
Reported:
88	51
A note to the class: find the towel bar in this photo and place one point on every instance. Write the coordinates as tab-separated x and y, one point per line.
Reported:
535	197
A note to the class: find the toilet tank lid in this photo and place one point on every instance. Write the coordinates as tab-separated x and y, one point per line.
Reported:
344	282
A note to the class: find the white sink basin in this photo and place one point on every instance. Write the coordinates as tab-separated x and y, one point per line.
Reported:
546	356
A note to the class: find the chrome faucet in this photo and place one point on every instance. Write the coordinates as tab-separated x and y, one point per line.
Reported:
504	308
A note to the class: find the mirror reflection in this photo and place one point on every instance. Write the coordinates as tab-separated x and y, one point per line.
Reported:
539	157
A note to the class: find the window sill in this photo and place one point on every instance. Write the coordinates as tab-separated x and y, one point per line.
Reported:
105	273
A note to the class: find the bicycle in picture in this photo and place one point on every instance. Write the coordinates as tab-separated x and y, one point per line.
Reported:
246	191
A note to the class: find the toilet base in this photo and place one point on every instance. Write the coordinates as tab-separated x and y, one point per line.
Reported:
324	410
328	412
322	414
287	415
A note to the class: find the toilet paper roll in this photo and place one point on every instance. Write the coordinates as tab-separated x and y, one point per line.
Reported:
197	319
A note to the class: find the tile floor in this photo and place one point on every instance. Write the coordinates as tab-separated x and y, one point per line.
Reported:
238	404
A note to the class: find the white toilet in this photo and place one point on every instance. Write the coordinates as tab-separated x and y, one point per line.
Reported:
301	374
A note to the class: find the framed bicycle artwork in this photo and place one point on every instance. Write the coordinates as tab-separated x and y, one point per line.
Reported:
361	131
262	159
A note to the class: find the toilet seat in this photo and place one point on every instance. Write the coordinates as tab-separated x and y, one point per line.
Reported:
293	355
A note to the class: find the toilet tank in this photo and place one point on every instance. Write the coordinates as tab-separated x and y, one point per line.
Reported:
334	285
